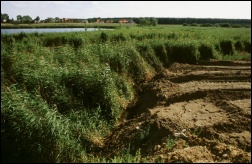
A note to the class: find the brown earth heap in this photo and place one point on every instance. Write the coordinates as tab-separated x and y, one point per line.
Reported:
190	113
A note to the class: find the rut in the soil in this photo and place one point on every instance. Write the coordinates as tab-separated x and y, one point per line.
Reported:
210	104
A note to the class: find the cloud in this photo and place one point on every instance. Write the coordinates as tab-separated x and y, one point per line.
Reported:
61	2
22	4
90	9
95	3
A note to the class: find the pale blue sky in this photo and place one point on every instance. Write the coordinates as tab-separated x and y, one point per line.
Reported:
105	9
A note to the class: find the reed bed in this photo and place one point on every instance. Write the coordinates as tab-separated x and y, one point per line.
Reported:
62	93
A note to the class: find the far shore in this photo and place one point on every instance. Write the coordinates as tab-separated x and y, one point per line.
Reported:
64	25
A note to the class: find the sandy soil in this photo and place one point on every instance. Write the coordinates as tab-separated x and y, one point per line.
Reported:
190	113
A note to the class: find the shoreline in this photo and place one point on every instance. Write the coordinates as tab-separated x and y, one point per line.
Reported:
63	25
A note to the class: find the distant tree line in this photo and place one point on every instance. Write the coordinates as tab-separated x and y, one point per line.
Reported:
204	22
147	21
217	25
20	19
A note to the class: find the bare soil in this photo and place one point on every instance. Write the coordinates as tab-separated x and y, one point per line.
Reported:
190	113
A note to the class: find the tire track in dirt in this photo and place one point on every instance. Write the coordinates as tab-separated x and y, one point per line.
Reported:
204	109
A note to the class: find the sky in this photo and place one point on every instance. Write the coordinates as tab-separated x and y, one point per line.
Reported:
113	9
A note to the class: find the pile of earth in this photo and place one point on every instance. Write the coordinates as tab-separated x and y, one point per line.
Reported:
190	113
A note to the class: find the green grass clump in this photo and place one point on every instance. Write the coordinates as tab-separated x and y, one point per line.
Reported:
147	52
160	51
183	51
73	40
239	45
93	88
33	132
227	47
238	56
126	157
55	41
247	45
104	37
206	51
169	143
119	37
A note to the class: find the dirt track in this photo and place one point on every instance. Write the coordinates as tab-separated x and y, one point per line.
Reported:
190	113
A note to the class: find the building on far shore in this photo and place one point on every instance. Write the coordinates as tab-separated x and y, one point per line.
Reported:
123	21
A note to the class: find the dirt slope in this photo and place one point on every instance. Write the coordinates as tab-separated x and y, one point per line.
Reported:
190	113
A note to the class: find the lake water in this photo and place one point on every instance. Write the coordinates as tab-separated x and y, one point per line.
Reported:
45	30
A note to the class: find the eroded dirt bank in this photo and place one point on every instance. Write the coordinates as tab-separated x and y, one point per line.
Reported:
190	113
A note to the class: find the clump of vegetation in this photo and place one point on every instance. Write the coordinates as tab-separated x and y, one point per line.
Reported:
195	24
206	25
247	45
185	51
147	52
225	25
161	52
227	47
239	45
206	51
169	143
104	37
31	131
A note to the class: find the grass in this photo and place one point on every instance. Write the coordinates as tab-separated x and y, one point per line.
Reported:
238	56
144	133
126	157
169	143
63	93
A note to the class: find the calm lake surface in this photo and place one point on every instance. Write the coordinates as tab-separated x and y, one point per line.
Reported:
43	30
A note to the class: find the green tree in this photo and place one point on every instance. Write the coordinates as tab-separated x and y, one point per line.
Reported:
148	21
49	20
27	19
4	17
57	19
37	19
142	21
12	20
19	18
153	21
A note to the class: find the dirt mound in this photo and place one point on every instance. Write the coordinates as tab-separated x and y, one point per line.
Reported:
190	113
153	94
